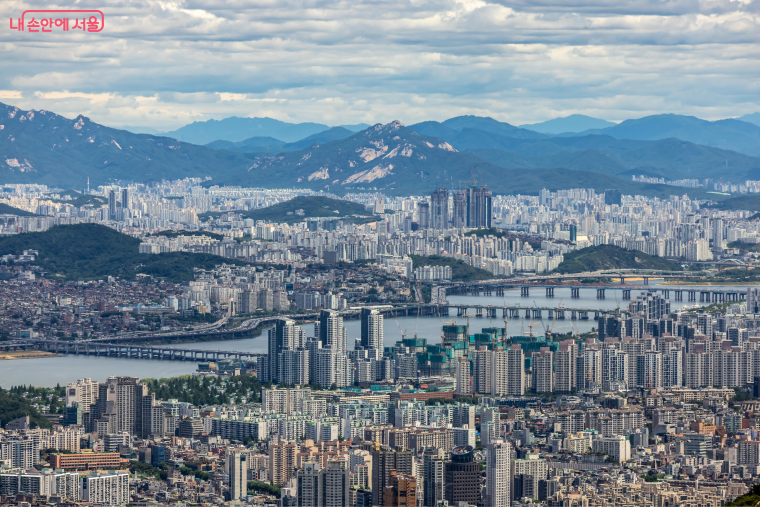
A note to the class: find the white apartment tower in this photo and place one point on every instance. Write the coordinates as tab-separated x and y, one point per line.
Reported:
498	475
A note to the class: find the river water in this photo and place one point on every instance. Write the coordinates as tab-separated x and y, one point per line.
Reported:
49	371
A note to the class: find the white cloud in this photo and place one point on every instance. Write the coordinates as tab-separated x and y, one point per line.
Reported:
165	63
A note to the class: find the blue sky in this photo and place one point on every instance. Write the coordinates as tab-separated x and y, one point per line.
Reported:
166	63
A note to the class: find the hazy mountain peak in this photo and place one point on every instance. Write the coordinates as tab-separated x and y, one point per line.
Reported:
753	118
572	123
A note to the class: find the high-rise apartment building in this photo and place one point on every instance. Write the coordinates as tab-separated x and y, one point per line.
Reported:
308	486
125	202
649	370
478	207
516	360
543	374
285	335
282	462
331	330
459	209
423	212
439	209
237	468
372	330
613	197
112	205
481	371
433	463
110	488
498	474
463	385
334	483
565	375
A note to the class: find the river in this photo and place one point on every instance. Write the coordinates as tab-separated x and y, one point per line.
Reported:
49	371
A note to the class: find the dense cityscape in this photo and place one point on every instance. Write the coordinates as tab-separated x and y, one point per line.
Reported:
294	388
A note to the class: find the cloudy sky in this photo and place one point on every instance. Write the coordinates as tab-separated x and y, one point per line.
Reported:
165	63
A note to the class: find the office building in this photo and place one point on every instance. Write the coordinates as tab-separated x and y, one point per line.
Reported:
85	460
402	491
462	477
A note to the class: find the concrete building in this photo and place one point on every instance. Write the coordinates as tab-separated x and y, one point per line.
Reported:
498	473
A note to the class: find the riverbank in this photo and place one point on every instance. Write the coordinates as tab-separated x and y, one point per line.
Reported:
25	354
734	283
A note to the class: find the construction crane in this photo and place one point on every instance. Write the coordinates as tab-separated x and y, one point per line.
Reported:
403	333
549	333
530	326
542	322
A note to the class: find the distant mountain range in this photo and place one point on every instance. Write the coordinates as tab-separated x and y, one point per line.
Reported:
43	147
751	118
40	146
272	145
572	123
237	130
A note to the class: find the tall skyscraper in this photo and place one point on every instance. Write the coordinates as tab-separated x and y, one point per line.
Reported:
237	467
459	215
285	335
372	330
565	377
112	205
463	385
309	491
481	371
439	209
334	483
433	462
423	212
331	330
613	196
543	374
498	466
478	207
461	477
516	371
125	204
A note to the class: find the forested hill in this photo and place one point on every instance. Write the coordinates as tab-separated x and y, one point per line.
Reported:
92	251
599	257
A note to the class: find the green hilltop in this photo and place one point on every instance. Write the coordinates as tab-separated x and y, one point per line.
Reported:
595	258
312	206
6	209
460	272
92	251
